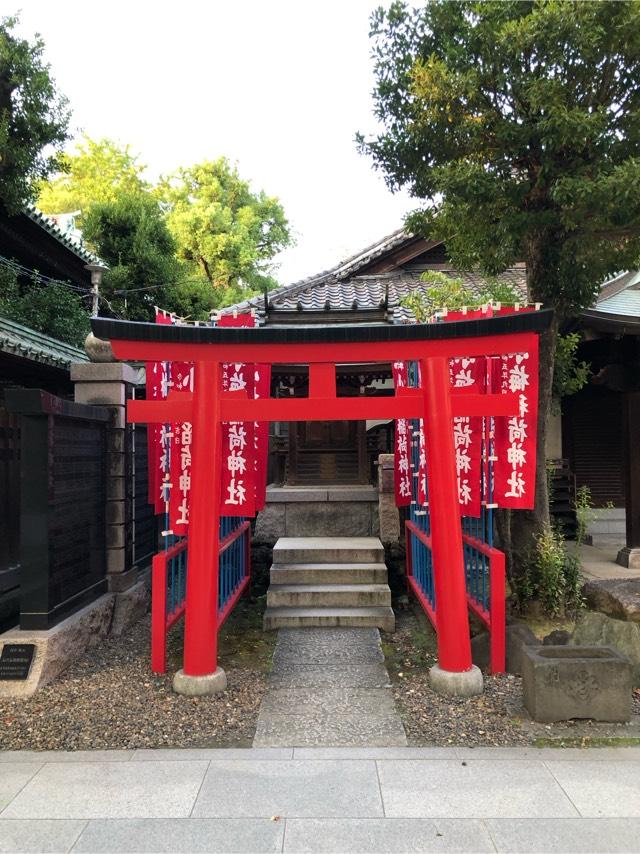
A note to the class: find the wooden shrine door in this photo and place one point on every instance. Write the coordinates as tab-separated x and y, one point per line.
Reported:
327	452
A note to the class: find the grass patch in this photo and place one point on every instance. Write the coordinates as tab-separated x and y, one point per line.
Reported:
243	643
587	741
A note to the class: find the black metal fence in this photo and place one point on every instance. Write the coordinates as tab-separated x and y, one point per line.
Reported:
9	517
62	505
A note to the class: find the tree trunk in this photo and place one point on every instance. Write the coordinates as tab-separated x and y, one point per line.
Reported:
525	525
205	268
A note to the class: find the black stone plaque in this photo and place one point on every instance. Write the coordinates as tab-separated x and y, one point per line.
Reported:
15	660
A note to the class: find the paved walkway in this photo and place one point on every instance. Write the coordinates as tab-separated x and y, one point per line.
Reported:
321	800
329	687
599	562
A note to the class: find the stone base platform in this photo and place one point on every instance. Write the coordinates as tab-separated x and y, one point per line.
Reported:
57	648
342	511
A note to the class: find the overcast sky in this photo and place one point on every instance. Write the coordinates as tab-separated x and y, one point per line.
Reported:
281	87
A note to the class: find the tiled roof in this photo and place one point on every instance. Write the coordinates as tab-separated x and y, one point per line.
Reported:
336	273
364	292
341	288
18	340
621	295
50	226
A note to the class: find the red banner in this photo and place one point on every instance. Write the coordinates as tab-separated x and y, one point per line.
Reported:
157	378
402	444
261	389
516	436
180	462
238	474
468	376
422	467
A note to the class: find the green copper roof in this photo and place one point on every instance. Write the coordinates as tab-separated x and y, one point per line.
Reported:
18	340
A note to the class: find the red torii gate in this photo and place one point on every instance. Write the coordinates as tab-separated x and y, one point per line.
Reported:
322	348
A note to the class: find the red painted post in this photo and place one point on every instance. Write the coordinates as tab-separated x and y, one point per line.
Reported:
201	616
497	581
159	613
454	645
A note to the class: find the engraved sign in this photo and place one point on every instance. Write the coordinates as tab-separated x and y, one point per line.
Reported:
15	660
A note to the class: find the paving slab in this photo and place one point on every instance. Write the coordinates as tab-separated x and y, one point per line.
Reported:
339	730
578	835
476	789
601	790
551	754
208	753
109	790
319	702
40	836
329	687
364	836
65	755
13	777
139	836
324	788
316	639
403	753
286	675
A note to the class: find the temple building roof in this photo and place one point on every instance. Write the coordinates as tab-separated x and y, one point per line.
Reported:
372	284
24	343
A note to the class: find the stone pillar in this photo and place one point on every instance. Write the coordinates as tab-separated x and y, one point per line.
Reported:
109	384
630	555
387	510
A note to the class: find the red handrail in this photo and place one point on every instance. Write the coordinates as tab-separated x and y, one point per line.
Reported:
494	618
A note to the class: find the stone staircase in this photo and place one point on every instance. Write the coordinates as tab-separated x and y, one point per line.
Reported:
329	581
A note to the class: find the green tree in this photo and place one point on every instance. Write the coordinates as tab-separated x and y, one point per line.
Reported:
222	228
33	118
52	308
130	234
518	126
99	171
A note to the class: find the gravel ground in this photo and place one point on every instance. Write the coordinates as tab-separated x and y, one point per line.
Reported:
497	718
109	699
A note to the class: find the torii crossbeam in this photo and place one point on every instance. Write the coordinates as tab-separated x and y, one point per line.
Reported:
322	348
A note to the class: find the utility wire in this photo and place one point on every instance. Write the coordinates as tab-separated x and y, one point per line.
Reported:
20	269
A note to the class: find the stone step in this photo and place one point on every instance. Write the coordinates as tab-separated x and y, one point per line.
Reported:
329	573
285	618
328	550
328	595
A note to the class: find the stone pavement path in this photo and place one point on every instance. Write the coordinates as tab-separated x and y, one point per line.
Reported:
394	799
329	687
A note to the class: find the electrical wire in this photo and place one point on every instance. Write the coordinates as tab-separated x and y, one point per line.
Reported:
21	270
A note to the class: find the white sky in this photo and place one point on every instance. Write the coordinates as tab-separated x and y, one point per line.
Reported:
280	86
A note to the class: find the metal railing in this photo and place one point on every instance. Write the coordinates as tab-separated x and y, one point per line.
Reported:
485	577
484	565
169	582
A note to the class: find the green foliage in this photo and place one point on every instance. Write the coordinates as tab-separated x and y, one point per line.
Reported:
53	309
552	575
569	375
131	235
223	228
518	124
199	240
99	172
586	513
452	293
33	118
